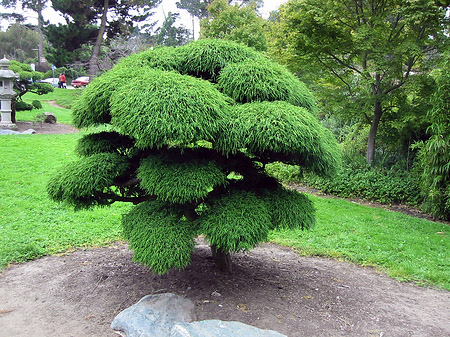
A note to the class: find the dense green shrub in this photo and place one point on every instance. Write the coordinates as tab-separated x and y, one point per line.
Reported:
189	156
36	104
433	163
372	183
23	106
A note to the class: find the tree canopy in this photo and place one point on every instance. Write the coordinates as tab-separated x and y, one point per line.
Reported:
190	155
370	48
236	22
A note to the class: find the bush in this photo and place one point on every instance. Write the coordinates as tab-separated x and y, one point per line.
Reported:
23	106
372	183
36	104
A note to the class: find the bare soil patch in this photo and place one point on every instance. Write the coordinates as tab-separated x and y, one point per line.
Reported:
80	293
46	128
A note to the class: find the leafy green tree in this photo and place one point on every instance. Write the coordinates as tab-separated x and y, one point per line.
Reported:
27	83
190	157
240	23
370	48
169	35
115	18
434	155
36	6
18	42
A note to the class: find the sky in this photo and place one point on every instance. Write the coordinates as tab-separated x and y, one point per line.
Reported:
165	7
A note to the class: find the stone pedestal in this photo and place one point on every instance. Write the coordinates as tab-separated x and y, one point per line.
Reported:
7	78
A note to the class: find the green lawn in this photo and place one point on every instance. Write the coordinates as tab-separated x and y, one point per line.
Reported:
405	247
62	97
31	225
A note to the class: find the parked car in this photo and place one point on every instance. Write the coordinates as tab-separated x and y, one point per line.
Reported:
80	82
51	80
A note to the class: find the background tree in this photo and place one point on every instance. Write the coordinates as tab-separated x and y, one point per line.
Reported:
169	35
113	18
240	23
434	155
18	42
190	132
371	48
36	6
26	83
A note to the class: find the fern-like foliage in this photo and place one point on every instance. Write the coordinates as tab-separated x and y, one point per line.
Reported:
163	58
236	221
279	131
263	80
103	142
205	58
160	236
168	109
179	178
289	209
86	182
187	134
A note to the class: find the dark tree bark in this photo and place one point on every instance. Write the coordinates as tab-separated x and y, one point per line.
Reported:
377	113
222	259
93	66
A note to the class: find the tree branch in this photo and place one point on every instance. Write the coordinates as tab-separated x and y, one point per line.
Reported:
134	200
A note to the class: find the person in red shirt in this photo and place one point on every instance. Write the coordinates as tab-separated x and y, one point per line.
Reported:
62	81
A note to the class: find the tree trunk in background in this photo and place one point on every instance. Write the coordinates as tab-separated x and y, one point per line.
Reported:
93	67
378	111
222	259
40	35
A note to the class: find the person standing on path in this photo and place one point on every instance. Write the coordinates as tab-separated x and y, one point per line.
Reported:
62	81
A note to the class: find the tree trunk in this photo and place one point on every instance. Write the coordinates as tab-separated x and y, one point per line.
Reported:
40	36
377	112
93	66
222	259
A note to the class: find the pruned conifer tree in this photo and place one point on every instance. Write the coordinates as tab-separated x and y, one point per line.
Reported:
189	131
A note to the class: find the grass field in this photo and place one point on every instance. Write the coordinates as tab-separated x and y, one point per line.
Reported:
31	225
62	97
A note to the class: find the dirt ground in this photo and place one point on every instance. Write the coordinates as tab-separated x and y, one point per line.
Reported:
46	128
80	293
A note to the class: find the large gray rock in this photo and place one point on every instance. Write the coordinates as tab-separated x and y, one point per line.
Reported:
216	328
170	315
154	315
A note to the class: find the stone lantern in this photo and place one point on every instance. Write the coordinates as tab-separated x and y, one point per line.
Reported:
7	78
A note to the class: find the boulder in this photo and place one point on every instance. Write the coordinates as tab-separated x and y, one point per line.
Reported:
154	315
49	118
170	315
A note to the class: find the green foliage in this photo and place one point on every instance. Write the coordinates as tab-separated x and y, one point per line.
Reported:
169	35
179	178
160	109
22	106
93	107
194	151
263	80
372	183
103	142
205	58
365	52
17	43
236	221
290	209
164	58
239	23
433	163
159	236
82	184
36	104
279	131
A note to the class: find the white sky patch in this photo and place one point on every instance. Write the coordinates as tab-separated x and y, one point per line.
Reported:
163	9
